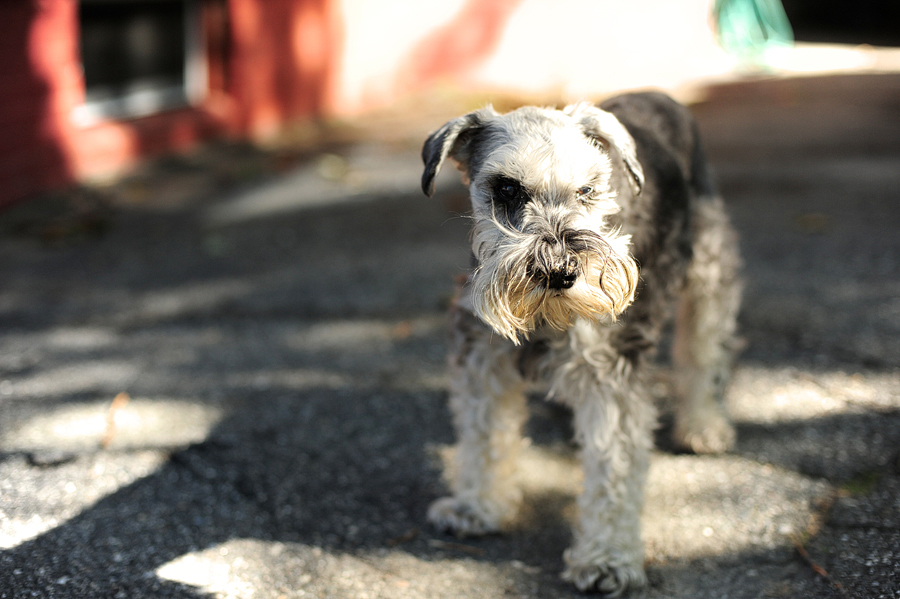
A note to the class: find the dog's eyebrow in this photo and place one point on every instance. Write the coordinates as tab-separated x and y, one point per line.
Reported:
500	178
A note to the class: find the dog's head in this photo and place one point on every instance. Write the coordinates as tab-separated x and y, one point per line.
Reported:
543	184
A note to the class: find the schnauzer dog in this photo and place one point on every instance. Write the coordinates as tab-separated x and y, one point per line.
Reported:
591	227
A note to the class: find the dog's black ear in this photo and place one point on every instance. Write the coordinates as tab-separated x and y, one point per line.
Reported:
606	128
453	139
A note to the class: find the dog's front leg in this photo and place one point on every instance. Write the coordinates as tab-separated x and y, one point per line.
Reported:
488	404
613	423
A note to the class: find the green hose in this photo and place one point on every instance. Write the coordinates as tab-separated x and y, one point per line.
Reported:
749	29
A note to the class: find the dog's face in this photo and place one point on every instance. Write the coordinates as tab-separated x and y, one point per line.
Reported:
543	184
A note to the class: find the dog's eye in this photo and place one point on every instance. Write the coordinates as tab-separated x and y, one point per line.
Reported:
585	191
509	192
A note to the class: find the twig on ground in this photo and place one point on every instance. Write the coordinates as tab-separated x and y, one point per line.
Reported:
438	544
406	537
813	527
819	570
120	401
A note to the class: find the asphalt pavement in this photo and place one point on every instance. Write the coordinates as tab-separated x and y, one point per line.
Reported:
223	375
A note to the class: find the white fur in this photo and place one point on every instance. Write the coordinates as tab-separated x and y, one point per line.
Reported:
488	404
505	296
590	367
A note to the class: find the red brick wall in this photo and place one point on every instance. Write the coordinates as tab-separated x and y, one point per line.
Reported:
284	60
271	61
36	81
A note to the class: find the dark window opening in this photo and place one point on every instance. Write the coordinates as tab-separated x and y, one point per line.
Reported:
137	56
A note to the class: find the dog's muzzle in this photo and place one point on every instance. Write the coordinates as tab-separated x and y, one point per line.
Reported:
561	276
550	275
555	265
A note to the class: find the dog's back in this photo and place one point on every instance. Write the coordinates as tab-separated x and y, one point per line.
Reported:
691	253
659	123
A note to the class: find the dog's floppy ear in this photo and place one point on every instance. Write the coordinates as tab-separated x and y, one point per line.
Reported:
451	140
606	128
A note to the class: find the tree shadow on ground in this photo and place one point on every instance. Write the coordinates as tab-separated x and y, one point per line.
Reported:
350	472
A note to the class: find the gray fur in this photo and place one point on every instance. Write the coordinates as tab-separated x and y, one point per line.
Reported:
592	227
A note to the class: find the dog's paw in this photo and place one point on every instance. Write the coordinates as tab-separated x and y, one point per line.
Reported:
608	580
711	434
462	517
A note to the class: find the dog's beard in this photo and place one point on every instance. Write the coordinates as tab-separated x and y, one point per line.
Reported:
510	298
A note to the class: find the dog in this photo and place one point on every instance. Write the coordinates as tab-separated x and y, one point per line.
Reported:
592	228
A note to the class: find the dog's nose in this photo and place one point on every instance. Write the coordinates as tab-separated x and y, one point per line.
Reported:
563	277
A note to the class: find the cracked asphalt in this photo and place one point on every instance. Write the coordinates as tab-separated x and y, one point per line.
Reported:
272	324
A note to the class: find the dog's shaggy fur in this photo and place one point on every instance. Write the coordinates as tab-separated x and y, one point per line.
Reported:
592	226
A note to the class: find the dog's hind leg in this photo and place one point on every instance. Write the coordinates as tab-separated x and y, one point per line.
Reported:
489	409
705	327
